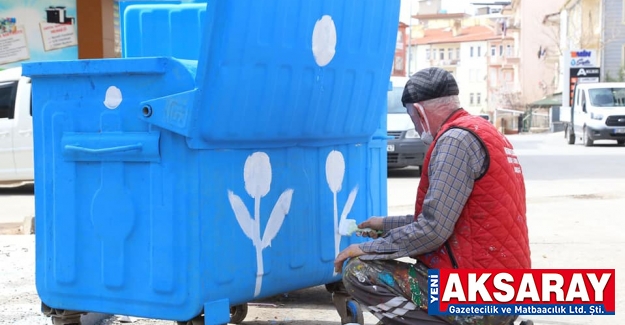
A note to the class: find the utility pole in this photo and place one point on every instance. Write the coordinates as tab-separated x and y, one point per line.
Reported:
565	60
409	47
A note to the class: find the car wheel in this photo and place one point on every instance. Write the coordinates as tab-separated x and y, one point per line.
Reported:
418	172
586	139
570	135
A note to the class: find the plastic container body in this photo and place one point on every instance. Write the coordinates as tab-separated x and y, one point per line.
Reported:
166	187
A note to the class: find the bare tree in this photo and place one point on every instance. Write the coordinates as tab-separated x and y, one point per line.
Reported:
508	99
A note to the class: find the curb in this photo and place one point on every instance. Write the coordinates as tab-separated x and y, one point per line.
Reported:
10	228
26	227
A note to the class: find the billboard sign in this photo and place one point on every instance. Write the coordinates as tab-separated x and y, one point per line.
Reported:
37	30
583	58
583	69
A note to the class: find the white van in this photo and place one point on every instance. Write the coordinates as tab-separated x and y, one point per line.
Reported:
16	129
598	113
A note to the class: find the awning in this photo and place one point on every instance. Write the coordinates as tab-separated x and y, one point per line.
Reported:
553	100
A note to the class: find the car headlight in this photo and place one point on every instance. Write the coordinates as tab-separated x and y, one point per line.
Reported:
596	116
412	134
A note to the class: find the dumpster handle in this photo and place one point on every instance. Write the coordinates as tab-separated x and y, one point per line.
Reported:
137	146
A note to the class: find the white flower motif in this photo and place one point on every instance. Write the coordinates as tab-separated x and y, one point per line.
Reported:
324	41
335	173
257	177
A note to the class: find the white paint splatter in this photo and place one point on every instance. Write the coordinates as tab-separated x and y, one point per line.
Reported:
324	41
257	176
113	97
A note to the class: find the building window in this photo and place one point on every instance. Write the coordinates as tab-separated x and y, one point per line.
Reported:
493	50
493	77
458	53
500	50
508	76
471	97
427	54
442	54
509	50
450	54
479	98
479	51
471	52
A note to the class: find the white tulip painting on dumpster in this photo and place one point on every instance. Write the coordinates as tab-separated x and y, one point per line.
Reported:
335	173
257	176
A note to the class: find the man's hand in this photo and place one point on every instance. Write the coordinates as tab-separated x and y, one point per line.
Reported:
351	251
374	223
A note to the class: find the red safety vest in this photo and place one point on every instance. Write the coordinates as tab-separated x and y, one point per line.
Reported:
492	229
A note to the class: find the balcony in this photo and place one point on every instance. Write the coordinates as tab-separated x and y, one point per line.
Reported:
444	63
512	60
495	60
503	60
507	87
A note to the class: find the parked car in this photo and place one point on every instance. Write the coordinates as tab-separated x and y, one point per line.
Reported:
405	147
485	116
16	129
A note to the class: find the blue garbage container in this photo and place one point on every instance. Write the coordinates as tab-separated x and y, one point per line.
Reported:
166	28
166	188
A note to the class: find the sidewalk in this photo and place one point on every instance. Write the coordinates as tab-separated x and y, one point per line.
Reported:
18	209
572	224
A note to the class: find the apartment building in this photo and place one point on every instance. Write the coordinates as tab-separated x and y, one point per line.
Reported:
484	64
504	71
592	25
538	47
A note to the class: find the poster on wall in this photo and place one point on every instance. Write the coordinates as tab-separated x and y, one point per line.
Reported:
13	47
37	30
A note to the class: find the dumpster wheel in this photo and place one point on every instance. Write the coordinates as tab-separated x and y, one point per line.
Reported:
237	315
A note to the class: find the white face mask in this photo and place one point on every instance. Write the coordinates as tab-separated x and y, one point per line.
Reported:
427	137
424	130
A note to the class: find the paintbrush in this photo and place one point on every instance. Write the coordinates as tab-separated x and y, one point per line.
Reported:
347	227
